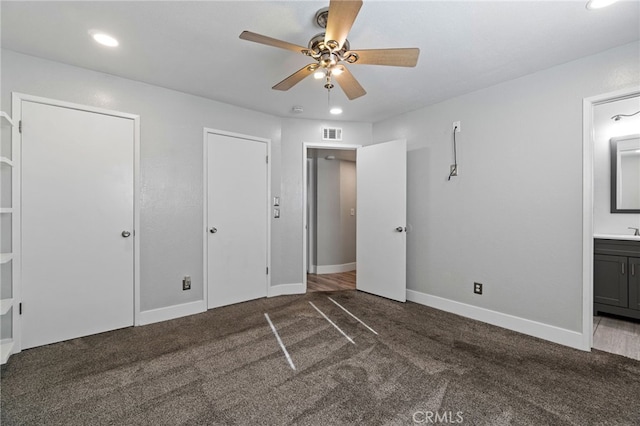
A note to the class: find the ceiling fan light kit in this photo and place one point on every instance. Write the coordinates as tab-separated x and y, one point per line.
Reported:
331	50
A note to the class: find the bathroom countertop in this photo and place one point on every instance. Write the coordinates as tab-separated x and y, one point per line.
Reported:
617	237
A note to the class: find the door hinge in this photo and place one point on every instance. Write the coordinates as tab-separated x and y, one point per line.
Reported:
20	126
20	308
267	159
267	270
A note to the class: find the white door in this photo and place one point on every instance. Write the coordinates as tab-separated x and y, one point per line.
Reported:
237	215
382	216
77	200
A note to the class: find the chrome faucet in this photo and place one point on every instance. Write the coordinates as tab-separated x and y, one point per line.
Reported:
637	233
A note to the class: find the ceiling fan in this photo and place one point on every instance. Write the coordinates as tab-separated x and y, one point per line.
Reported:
331	49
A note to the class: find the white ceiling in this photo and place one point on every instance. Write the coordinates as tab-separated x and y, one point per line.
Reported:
194	47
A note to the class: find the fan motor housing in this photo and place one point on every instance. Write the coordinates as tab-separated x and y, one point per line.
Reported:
318	47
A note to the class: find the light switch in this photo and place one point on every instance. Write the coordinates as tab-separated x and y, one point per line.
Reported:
276	213
276	201
353	212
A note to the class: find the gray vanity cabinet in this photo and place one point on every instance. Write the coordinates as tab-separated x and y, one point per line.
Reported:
616	277
610	284
634	283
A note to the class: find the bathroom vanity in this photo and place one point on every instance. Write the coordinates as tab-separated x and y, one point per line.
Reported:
616	276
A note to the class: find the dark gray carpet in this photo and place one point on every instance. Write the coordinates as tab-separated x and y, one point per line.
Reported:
225	367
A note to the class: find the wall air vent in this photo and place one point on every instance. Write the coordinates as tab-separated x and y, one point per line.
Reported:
331	134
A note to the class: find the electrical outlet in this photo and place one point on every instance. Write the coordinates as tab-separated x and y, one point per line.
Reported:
477	288
456	126
453	171
186	283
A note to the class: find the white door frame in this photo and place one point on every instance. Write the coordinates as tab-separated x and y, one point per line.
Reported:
587	205
205	189
16	105
305	147
311	204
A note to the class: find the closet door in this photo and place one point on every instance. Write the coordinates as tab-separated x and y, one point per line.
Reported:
237	217
77	223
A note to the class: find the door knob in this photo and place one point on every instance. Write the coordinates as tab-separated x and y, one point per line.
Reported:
213	230
399	229
126	234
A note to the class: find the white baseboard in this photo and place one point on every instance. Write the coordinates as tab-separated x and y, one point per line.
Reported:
335	269
284	289
171	312
548	332
313	269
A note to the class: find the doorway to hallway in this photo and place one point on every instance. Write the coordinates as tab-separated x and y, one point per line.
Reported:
331	219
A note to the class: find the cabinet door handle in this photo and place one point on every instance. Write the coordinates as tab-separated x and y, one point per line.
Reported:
633	270
622	268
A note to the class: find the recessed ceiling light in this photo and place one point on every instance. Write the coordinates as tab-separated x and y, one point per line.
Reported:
336	110
599	4
104	39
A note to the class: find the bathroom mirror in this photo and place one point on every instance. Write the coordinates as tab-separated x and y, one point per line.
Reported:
625	174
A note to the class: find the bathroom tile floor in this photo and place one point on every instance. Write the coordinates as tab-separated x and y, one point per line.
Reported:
617	335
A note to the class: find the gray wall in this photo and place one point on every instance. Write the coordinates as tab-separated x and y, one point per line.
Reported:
512	219
335	227
171	161
295	132
328	229
171	166
348	202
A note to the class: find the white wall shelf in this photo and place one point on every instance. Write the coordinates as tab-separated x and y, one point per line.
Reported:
6	120
11	343
5	305
6	347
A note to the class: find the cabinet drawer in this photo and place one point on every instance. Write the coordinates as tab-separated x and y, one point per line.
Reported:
616	247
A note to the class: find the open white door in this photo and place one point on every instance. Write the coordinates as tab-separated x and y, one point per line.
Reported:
382	216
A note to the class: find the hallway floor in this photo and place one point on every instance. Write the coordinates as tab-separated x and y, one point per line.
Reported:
616	335
331	282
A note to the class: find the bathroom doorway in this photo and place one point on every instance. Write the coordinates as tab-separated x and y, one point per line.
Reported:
612	304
